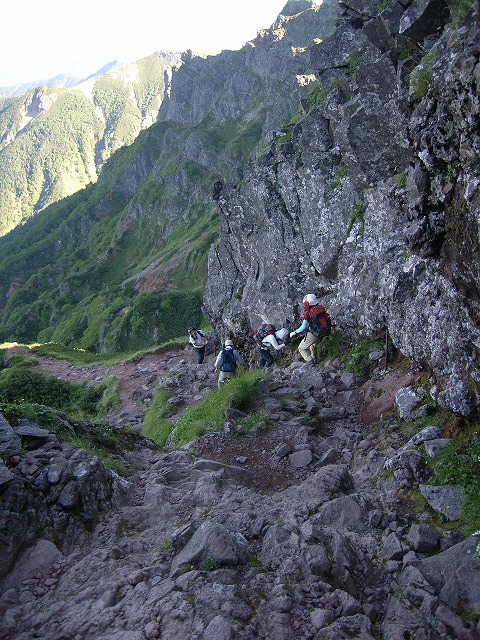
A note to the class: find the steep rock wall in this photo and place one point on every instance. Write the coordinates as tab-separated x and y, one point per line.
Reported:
371	199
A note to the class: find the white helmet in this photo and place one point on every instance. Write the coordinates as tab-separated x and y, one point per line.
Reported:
311	298
282	334
228	343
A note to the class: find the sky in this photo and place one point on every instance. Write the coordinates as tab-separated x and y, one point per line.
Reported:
44	38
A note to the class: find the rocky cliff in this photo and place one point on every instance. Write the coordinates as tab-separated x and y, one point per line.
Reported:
75	273
369	197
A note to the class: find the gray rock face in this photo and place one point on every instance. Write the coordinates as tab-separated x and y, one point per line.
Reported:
370	200
446	500
48	491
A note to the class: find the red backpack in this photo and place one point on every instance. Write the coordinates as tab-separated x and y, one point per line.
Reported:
264	330
319	322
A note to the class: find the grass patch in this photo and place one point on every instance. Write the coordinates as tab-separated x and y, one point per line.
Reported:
355	358
459	10
209	413
333	347
21	384
155	426
459	463
110	395
401	180
357	215
420	76
341	173
354	62
358	361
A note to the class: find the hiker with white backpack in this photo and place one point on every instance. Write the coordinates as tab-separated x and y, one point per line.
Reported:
316	325
226	362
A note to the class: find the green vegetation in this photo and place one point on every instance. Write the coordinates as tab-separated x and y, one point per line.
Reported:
82	357
358	361
459	9
354	62
22	384
384	5
60	149
99	439
357	215
341	173
401	180
420	76
209	413
453	169
355	358
110	395
50	158
459	463
155	426
316	96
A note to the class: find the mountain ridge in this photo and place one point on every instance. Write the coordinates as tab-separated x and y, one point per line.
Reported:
54	141
154	196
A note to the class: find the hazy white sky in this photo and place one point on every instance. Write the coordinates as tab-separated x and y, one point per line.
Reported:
42	38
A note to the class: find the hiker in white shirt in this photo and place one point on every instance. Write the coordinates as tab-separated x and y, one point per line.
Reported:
198	341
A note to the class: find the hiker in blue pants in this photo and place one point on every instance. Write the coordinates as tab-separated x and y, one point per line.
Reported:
198	341
226	362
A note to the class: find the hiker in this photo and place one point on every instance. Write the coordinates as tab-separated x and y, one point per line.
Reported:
198	341
316	323
226	362
267	337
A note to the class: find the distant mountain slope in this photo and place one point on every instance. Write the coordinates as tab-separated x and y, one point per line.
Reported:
62	81
54	141
95	268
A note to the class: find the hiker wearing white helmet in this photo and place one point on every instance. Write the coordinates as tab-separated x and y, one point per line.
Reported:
227	361
267	337
316	323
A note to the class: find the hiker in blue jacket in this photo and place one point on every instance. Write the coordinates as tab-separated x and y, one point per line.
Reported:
226	362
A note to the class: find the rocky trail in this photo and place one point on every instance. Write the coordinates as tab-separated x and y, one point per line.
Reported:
293	530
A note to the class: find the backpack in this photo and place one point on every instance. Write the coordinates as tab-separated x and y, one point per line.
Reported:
264	330
227	361
319	323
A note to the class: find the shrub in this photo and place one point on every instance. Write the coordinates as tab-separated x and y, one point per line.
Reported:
21	384
358	361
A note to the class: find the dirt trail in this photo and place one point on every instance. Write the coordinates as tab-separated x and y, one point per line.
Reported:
138	378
